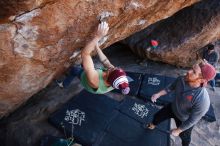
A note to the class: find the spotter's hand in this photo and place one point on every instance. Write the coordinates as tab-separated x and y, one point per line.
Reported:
154	97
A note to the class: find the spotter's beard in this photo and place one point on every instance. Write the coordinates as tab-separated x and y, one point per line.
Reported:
189	80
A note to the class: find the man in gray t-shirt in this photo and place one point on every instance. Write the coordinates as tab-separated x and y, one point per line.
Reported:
191	101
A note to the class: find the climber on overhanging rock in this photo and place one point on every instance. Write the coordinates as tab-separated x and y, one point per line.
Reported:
97	81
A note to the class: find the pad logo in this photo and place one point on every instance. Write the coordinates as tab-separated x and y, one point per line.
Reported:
75	117
140	110
153	81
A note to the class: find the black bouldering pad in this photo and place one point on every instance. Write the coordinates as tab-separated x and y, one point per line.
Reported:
210	115
154	83
106	122
55	141
85	116
134	85
169	80
137	110
127	128
151	84
137	137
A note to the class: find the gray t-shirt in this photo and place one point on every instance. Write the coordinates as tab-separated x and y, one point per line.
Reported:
190	104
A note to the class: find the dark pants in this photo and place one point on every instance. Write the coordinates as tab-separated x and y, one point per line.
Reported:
217	79
75	71
212	82
167	113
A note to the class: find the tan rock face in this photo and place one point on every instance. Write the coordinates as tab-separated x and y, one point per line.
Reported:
11	8
37	44
180	36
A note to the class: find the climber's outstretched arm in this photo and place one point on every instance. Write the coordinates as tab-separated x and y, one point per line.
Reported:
103	58
88	65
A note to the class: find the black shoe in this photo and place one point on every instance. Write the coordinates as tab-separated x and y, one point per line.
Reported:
149	126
